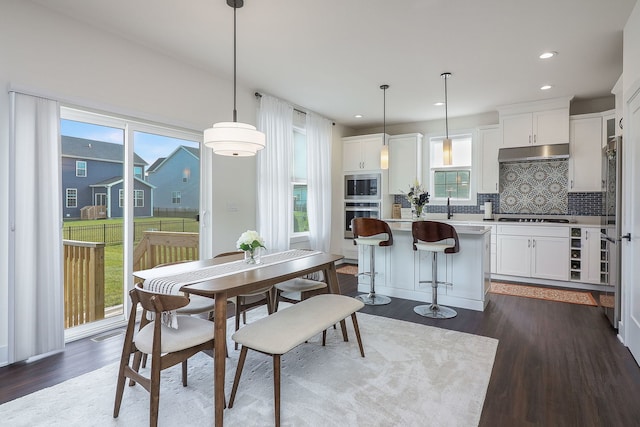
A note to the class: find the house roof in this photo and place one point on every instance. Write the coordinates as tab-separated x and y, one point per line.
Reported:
89	149
155	164
110	182
195	152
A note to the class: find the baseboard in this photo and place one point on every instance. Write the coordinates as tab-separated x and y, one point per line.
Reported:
4	355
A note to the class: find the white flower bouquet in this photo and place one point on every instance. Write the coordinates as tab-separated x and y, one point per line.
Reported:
250	240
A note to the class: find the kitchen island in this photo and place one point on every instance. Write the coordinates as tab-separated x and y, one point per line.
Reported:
400	269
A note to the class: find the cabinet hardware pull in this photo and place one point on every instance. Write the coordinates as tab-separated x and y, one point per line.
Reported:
529	243
529	139
535	138
534	243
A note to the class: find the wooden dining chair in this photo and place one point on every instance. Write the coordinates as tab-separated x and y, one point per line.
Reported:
262	296
167	346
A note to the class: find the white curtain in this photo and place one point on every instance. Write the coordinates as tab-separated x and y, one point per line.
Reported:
36	304
274	162
319	181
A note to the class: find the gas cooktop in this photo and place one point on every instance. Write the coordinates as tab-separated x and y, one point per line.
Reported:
517	219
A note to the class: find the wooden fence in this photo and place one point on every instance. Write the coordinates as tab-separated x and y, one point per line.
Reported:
83	282
162	247
84	268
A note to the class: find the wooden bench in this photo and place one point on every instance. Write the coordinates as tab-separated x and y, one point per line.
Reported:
282	331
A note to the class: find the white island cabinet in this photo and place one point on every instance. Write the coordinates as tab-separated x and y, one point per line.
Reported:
400	269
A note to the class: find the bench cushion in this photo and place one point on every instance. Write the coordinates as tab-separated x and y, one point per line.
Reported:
290	327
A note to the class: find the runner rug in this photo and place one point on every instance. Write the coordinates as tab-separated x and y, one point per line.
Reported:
412	375
550	294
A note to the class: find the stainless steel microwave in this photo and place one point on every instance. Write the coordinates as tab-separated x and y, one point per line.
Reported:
362	186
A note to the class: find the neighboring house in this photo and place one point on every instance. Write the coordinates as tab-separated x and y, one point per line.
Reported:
176	179
92	176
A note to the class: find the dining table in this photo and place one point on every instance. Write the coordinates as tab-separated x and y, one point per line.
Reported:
289	265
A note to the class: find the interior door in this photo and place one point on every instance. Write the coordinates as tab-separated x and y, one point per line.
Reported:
631	248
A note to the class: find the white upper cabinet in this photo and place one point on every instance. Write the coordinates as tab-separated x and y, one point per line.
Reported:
362	153
489	139
585	158
535	123
405	161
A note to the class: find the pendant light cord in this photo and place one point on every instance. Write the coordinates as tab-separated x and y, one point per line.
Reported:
446	107
384	111
235	111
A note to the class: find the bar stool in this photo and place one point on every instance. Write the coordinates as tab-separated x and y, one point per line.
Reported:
434	237
369	232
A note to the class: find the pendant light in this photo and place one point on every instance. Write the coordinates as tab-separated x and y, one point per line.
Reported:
446	142
234	138
384	153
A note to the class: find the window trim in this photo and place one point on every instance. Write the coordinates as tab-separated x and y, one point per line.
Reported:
68	197
136	193
78	168
176	195
299	235
428	173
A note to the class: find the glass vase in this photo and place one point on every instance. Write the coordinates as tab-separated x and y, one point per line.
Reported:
417	212
252	256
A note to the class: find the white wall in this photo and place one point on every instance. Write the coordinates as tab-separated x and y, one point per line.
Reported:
436	126
51	55
631	53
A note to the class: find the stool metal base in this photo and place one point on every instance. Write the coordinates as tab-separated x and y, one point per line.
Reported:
374	299
435	311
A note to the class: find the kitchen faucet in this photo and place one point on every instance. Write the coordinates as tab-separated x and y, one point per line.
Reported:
449	213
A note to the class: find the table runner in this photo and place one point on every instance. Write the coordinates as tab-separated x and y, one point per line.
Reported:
172	284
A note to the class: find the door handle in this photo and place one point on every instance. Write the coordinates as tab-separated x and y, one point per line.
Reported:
626	236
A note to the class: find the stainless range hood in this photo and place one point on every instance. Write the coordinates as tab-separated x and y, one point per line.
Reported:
534	152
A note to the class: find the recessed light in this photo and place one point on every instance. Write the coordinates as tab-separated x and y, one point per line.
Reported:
547	55
439	104
358	116
546	87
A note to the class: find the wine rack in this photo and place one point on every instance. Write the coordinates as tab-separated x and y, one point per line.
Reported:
588	259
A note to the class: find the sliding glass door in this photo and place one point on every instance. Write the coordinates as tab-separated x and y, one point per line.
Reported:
122	181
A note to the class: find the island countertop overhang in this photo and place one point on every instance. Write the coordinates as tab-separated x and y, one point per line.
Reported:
405	225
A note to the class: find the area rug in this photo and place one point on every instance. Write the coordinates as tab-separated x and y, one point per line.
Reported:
550	294
347	269
412	375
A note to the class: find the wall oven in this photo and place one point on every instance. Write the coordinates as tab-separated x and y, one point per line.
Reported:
358	209
362	186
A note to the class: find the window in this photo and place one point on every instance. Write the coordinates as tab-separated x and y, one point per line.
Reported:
137	172
299	182
121	198
186	174
176	197
453	180
72	197
81	168
138	198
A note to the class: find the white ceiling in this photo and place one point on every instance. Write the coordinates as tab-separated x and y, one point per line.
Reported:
331	56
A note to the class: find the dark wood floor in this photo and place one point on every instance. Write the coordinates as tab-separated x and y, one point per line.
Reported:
557	364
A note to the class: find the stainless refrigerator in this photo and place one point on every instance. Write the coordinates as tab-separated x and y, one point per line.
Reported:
610	271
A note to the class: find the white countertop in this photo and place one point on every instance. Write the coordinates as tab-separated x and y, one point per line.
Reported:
463	219
462	229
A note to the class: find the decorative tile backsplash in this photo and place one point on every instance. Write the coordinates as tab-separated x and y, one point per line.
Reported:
534	187
529	188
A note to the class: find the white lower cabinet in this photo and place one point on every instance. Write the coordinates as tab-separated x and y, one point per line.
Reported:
533	251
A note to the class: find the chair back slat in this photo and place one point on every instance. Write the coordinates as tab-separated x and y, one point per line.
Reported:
434	231
158	303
